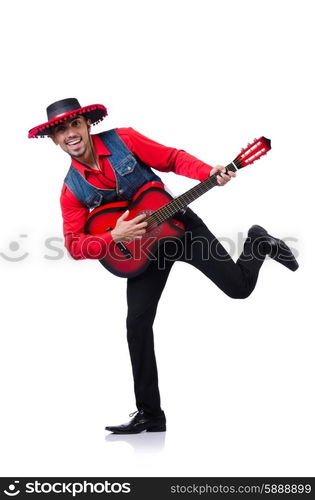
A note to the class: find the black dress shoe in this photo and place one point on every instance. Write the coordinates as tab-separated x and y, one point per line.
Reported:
277	249
140	422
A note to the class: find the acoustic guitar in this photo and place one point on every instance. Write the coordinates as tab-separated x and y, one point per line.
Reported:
130	258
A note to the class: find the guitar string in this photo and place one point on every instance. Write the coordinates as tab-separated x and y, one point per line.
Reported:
183	200
177	204
171	208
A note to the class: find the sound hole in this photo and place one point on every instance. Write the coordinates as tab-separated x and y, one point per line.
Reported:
154	230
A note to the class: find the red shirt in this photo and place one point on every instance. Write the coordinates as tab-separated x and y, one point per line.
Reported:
153	154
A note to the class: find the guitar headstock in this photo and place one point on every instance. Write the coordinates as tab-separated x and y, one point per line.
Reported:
253	152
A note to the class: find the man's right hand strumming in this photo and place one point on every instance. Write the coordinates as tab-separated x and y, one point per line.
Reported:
128	230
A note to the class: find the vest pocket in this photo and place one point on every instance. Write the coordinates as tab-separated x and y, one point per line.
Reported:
126	166
94	200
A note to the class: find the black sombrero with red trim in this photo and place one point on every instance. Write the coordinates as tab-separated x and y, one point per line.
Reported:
62	110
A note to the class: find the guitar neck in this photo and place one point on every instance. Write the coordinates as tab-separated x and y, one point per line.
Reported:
250	154
171	208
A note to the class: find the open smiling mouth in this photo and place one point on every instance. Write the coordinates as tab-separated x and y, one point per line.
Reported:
73	142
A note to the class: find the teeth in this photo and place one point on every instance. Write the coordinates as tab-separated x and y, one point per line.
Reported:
73	142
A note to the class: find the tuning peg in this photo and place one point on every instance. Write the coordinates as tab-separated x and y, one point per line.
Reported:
255	139
243	149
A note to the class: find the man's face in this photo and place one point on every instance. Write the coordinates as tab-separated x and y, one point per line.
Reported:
73	136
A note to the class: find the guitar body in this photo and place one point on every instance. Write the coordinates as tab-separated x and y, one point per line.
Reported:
128	259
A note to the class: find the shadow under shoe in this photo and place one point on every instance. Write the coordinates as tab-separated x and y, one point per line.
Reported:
139	423
277	249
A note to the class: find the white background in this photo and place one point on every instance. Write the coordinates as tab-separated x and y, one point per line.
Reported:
236	377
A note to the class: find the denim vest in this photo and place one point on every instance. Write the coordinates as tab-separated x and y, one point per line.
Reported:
130	172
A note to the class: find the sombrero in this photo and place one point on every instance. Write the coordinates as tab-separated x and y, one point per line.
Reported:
62	110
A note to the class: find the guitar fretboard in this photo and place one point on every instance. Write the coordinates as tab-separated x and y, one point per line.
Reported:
174	206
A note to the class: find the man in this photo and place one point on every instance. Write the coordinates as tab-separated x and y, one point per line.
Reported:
100	173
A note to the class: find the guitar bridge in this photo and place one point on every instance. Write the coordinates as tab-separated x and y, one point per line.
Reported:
121	246
124	250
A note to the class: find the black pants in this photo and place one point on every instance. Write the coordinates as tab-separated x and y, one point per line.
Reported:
200	248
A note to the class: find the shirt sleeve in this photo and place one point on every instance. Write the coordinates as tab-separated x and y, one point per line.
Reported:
164	158
79	244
